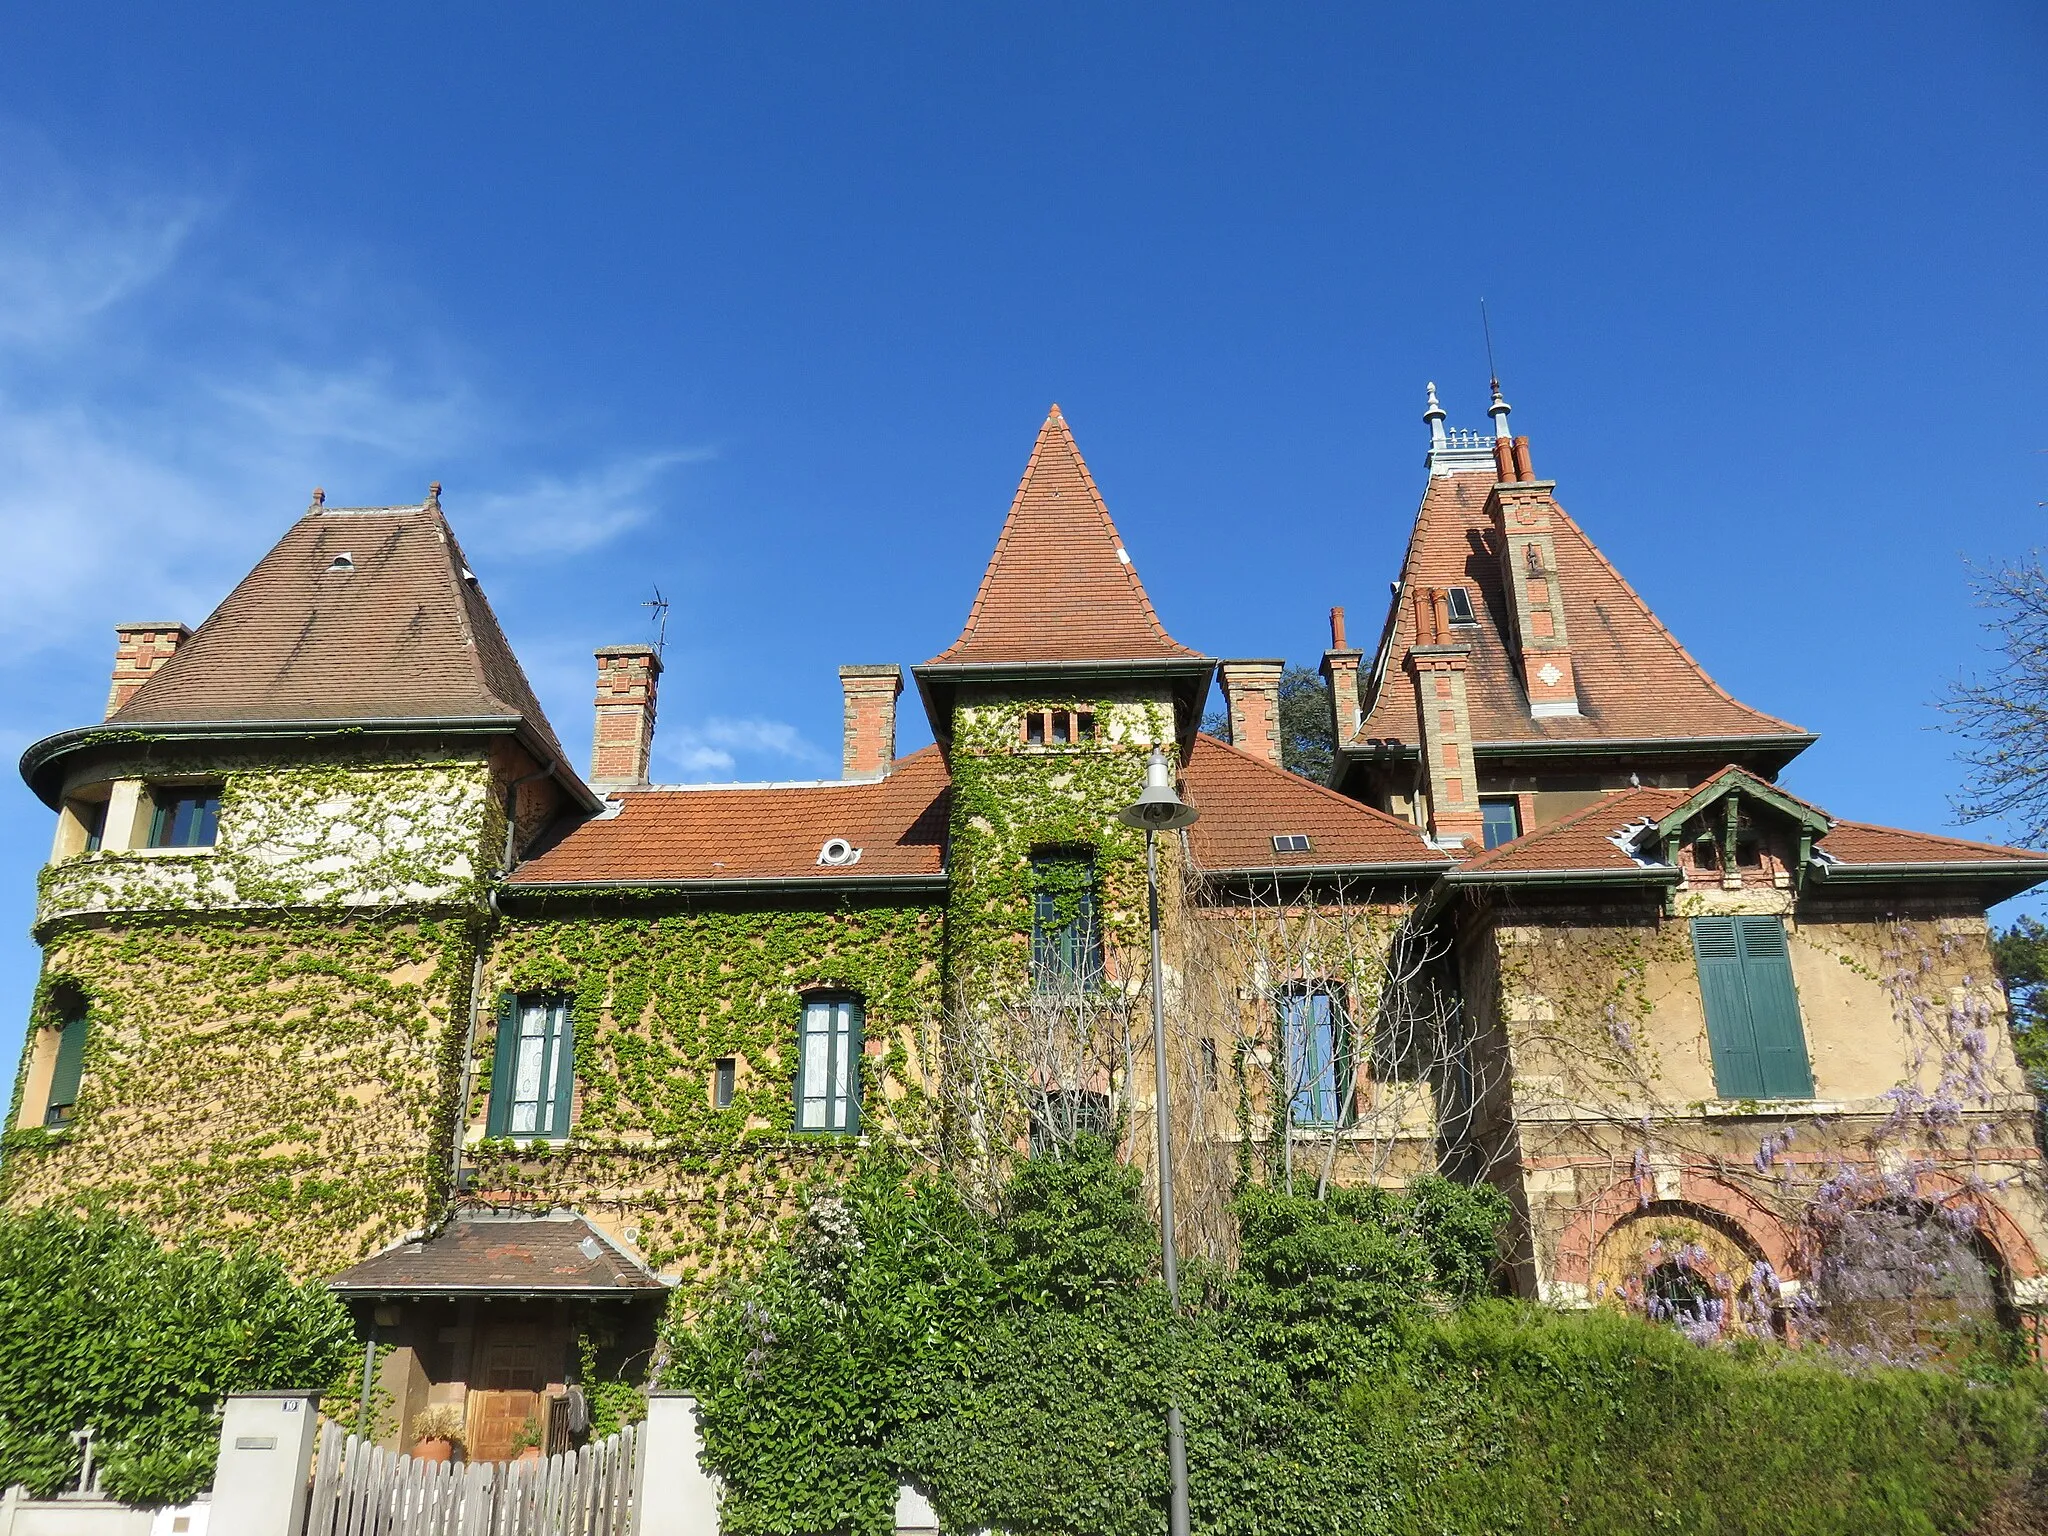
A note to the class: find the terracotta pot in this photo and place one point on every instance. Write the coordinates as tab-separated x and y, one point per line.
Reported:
434	1450
529	1453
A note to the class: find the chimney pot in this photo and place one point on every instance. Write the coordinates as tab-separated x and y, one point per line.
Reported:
1337	630
1522	469
1503	458
870	744
628	677
1252	691
139	650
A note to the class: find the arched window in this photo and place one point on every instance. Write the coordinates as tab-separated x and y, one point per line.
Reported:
828	1065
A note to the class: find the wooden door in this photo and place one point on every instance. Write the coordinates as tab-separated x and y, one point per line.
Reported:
508	1395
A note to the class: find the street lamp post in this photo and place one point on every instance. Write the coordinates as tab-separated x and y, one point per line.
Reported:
1158	810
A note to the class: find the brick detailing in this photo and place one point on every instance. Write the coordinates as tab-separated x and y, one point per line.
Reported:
1252	691
627	679
871	694
1521	513
139	649
1438	662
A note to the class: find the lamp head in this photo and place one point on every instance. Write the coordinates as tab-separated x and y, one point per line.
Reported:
1159	809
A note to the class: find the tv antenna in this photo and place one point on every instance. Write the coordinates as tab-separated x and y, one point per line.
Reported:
660	617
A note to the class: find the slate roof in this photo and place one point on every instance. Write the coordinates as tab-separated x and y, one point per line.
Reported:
479	1253
758	832
1246	801
774	832
1585	841
1635	681
405	633
1060	586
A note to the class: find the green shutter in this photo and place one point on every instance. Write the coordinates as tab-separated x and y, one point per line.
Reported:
1752	1008
503	1063
70	1067
851	1087
1774	1008
1738	1073
563	1062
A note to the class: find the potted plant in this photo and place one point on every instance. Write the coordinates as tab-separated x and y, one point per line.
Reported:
437	1432
526	1444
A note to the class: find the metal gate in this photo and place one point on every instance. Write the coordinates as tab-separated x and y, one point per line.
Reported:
360	1489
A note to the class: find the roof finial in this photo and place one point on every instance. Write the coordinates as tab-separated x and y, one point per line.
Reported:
1500	408
319	497
434	494
1435	417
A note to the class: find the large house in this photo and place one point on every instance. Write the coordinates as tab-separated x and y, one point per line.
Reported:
343	956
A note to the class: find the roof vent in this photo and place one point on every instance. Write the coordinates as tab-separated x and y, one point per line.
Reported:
341	564
838	850
1290	842
589	1248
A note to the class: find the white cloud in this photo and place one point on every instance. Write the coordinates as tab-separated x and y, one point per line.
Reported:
715	747
552	515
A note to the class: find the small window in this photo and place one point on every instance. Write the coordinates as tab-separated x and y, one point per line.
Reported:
1062	727
1317	1055
724	1074
1034	728
533	1081
1066	947
1084	727
1290	842
1059	728
185	818
93	817
1061	1115
1500	821
828	1066
1461	607
1212	1076
1754	1031
67	1071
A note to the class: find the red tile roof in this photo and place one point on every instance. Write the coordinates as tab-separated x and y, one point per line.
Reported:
404	632
759	832
476	1253
1060	586
775	832
1584	840
1635	680
1246	801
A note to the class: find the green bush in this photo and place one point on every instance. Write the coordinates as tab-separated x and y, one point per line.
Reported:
1351	1375
1509	1418
100	1325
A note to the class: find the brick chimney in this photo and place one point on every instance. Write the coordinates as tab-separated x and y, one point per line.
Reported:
139	649
1252	691
1521	512
627	678
1340	671
1437	660
871	694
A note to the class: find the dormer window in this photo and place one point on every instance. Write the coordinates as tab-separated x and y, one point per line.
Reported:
1463	615
341	565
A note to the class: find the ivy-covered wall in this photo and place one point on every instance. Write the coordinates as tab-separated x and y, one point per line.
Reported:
662	989
299	834
286	1079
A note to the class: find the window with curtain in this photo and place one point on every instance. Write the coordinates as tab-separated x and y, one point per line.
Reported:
1066	946
828	1066
1317	1055
1753	1025
533	1084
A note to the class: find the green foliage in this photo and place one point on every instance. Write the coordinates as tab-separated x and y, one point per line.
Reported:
2021	955
1505	1418
101	1326
1015	1364
1308	743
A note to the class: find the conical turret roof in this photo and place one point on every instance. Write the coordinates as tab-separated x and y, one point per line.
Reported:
1061	586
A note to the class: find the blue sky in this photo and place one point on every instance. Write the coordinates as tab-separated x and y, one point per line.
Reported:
764	304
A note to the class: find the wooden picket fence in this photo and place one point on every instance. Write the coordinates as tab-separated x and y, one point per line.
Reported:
360	1489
